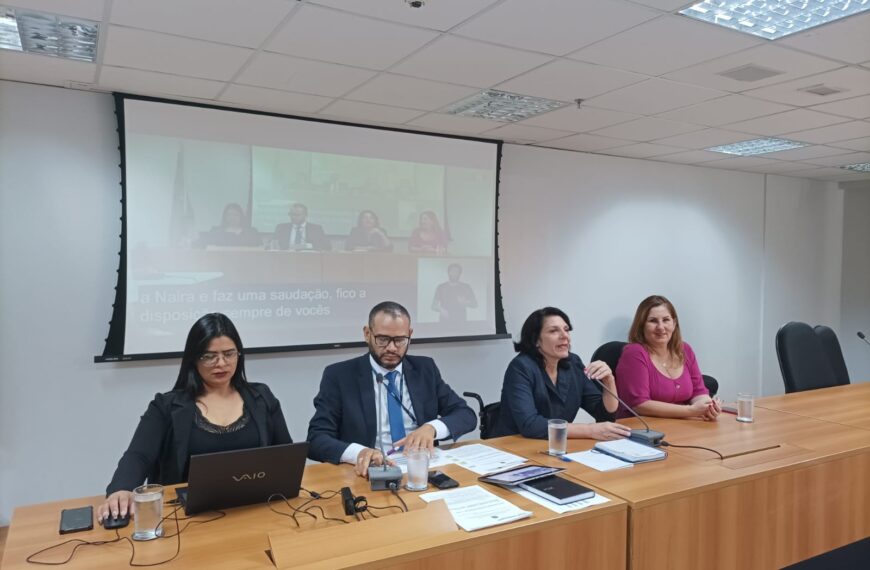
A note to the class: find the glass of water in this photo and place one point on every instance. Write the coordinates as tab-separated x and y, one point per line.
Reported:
418	470
745	407
148	512
557	435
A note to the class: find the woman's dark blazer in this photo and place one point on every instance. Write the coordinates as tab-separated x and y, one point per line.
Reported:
159	449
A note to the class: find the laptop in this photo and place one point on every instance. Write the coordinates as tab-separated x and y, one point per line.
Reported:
242	477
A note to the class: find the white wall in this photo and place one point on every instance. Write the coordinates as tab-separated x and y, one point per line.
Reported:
855	300
592	234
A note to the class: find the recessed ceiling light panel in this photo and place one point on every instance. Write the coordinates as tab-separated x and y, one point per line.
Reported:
860	167
757	146
48	34
502	106
772	19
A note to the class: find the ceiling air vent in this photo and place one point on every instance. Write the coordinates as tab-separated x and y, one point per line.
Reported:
750	73
821	89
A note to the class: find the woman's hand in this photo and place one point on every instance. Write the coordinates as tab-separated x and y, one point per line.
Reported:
599	370
118	504
604	431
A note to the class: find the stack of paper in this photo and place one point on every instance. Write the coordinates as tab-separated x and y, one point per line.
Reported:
474	507
630	451
481	458
598	460
567	507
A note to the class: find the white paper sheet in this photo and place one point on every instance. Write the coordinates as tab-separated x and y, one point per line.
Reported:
474	507
557	508
597	460
481	458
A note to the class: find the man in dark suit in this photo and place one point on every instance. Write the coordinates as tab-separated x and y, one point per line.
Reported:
299	233
416	406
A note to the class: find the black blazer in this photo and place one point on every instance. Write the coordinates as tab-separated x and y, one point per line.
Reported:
345	409
158	451
314	235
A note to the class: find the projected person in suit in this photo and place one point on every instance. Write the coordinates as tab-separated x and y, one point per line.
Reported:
547	381
658	373
300	233
428	237
211	408
453	298
368	235
234	231
417	407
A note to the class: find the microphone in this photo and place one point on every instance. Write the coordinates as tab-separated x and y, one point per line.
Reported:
647	436
862	337
386	477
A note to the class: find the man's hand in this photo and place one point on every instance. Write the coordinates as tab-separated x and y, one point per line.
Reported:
421	438
366	458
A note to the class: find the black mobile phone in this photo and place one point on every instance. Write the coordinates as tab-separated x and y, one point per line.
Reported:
442	481
74	520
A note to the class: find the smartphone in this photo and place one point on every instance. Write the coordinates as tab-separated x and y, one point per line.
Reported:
75	520
442	481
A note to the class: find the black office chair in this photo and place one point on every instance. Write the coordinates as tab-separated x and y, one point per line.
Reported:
488	414
802	359
829	341
712	385
609	352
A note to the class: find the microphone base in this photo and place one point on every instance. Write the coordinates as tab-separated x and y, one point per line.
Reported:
381	478
647	437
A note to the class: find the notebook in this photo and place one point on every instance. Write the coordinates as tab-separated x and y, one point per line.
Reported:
630	451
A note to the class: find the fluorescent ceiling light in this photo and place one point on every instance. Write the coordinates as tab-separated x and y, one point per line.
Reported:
48	34
860	167
757	146
502	106
772	19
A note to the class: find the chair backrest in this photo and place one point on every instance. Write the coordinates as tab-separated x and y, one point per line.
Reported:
488	414
711	384
609	352
829	341
802	359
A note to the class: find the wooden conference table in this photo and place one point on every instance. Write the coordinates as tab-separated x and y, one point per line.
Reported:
793	485
848	405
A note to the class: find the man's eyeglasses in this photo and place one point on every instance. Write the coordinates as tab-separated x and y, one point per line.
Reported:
210	359
383	341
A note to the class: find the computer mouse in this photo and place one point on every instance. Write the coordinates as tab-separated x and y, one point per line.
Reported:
110	522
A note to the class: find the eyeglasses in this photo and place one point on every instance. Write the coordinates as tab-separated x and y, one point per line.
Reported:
383	341
210	359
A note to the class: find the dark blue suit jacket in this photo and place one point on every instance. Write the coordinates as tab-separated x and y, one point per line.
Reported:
345	409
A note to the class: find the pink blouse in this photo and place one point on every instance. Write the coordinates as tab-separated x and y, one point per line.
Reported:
638	380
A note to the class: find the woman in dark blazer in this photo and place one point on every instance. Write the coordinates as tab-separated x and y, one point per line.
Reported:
212	408
547	381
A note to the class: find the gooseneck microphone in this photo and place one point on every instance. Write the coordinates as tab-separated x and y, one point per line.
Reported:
647	436
862	337
385	477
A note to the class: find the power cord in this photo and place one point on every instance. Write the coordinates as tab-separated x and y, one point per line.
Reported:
395	489
666	444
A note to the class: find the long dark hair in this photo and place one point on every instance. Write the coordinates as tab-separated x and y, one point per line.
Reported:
531	333
203	331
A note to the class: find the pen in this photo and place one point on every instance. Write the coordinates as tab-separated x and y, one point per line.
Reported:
561	457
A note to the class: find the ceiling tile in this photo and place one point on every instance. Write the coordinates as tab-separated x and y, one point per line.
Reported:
580	120
554	26
302	75
452	123
790	121
667	5
653	96
274	100
586	143
517	132
642	150
410	93
856	108
33	68
809	152
566	80
841	159
153	83
647	129
213	20
725	110
793	65
742	162
862	143
691	157
829	173
329	35
665	44
87	9
152	51
467	62
846	40
852	80
436	15
369	112
834	133
777	167
704	139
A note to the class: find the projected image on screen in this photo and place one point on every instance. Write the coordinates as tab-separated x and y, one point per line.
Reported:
295	229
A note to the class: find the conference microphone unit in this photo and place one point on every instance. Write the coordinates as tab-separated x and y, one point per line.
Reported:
646	436
862	337
383	477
